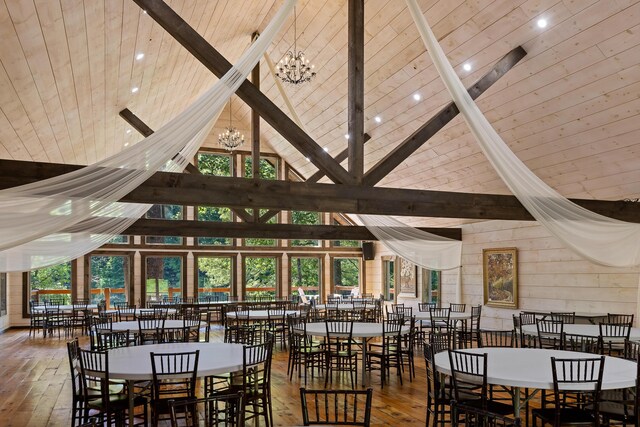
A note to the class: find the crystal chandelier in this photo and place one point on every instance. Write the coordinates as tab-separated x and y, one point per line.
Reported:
294	68
231	138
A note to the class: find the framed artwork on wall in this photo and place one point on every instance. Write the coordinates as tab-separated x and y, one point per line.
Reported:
500	274
408	278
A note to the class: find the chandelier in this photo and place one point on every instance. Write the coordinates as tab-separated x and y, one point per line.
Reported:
294	68
231	138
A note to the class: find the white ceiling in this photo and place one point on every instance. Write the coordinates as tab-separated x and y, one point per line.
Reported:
570	109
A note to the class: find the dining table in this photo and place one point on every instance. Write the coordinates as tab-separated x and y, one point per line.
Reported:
579	329
133	364
258	314
530	368
363	330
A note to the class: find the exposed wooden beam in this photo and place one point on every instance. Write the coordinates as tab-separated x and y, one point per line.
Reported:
186	189
255	132
146	131
339	158
440	120
355	95
187	228
218	65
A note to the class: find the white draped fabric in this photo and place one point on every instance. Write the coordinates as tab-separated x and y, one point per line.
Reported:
62	218
420	247
595	237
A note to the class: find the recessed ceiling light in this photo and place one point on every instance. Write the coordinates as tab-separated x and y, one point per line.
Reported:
126	144
139	56
346	135
542	22
377	119
326	149
134	89
128	131
144	11
308	159
417	97
466	66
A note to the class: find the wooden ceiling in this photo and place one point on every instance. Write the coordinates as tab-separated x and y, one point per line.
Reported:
569	109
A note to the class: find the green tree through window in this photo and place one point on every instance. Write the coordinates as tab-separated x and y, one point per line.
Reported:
304	218
260	276
216	165
305	273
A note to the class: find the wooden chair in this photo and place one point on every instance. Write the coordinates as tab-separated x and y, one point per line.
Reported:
442	341
568	318
148	330
469	331
622	319
174	378
304	353
495	338
388	355
469	375
527	318
457	308
582	343
467	415
613	336
572	374
277	325
336	407
550	333
219	410
440	318
107	340
438	392
36	318
341	353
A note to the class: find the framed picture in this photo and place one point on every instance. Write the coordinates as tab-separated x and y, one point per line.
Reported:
500	273
408	278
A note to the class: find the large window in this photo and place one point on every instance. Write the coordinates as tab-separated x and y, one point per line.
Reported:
305	272
346	274
216	165
164	212
3	294
305	218
163	277
215	277
388	278
268	170
109	278
261	275
52	283
430	286
261	241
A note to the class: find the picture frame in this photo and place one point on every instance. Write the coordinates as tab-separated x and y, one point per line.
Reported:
407	278
500	277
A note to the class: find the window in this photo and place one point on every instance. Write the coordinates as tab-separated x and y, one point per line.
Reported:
163	277
215	277
346	274
268	167
388	278
305	218
3	294
305	273
430	286
52	283
110	277
340	220
164	212
217	165
260	241
119	240
260	277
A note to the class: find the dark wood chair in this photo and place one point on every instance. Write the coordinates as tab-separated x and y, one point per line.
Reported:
572	374
174	378
457	308
388	355
550	333
465	415
219	410
336	407
468	335
613	336
304	353
438	392
623	405
567	317
582	343
341	355
526	340
495	338
623	319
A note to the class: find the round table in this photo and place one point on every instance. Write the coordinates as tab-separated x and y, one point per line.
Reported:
453	316
344	306
572	329
65	307
531	368
363	330
134	363
138	310
260	314
132	325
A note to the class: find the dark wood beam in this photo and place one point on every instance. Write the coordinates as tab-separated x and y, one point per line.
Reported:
355	95
187	189
339	158
146	131
186	228
255	131
440	120
218	65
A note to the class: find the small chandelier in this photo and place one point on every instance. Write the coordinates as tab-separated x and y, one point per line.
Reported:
231	138
294	68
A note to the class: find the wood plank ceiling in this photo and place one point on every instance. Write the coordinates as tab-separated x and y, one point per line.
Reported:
569	109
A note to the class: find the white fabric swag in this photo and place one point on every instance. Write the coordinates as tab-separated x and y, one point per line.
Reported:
595	237
62	218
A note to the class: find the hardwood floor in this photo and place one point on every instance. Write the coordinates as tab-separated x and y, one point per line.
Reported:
35	386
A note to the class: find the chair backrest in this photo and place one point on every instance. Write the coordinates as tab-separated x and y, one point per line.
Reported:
527	318
106	340
442	340
256	367
582	343
440	317
174	374
434	385
626	319
425	306
216	410
550	333
469	374
584	375
495	338
336	407
468	415
615	330
94	371
568	317
339	335
631	349
73	351
458	308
